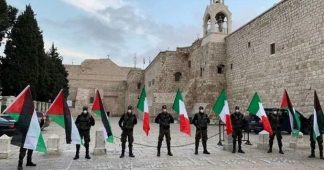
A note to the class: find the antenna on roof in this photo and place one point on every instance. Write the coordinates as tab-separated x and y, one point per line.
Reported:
135	61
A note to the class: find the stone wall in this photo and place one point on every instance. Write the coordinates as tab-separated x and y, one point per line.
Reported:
135	83
297	29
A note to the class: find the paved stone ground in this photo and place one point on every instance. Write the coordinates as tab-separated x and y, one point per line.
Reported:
183	156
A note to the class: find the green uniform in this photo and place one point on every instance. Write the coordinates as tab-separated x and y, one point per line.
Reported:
164	120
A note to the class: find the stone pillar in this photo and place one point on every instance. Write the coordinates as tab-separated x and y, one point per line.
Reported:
100	143
228	142
263	142
212	25
295	140
53	145
4	146
39	106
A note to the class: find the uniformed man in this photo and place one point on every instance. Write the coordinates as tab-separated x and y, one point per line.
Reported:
237	119
275	119
201	122
127	123
319	140
164	119
84	122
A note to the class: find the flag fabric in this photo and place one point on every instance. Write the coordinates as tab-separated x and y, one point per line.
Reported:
142	106
293	115
180	108
256	108
318	118
59	113
23	112
222	110
98	108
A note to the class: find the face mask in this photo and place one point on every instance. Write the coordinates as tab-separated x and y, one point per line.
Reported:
237	111
164	110
201	111
85	112
129	111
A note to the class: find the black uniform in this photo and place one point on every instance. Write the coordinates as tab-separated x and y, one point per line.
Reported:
84	122
201	122
313	142
237	119
127	123
164	119
275	121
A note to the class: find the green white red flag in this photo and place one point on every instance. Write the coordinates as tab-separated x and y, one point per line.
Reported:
222	110
256	108
142	106
59	113
318	119
295	123
99	109
23	112
180	108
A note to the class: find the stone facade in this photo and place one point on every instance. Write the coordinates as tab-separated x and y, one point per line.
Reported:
283	48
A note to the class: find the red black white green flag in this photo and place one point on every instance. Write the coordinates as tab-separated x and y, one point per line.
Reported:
180	108
293	115
318	119
256	108
59	113
142	106
23	112
98	108
222	110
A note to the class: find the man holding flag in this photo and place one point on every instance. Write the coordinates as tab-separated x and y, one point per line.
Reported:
316	121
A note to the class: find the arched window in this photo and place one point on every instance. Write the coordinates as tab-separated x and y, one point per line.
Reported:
221	22
177	76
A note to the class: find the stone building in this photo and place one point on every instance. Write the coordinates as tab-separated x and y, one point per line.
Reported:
283	48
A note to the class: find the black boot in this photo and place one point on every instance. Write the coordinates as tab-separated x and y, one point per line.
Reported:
169	149
270	150
159	148
234	146
312	155
87	151
280	146
240	148
20	165
77	152
29	158
321	154
196	147
280	151
205	147
320	147
123	150
130	147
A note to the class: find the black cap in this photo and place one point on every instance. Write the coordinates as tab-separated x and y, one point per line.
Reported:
130	107
85	108
200	107
164	107
237	108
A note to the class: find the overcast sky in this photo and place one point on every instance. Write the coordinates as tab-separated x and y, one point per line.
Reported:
84	29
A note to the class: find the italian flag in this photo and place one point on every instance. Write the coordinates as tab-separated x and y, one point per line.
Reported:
98	108
222	110
142	106
293	115
59	113
318	120
180	108
23	112
256	108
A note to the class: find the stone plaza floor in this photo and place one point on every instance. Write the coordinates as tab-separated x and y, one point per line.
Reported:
183	149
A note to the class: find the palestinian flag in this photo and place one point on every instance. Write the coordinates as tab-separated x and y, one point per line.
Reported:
256	108
222	110
293	115
318	119
179	107
98	108
23	111
142	106
59	113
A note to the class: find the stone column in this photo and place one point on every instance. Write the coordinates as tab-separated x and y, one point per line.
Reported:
53	145
100	143
295	140
4	146
263	142
212	25
228	142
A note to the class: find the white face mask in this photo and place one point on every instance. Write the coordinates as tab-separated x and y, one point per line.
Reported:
201	110
164	110
129	111
237	111
85	112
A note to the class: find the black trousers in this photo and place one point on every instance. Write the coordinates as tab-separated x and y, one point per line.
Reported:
319	142
237	135
127	134
164	132
201	134
277	134
22	154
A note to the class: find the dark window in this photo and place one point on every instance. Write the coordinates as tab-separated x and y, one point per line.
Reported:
201	71
249	44
273	48
91	99
139	85
231	66
189	63
153	81
177	76
220	69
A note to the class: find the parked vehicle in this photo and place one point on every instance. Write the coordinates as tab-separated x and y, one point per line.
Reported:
7	125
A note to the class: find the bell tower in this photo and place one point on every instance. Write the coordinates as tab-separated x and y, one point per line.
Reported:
217	22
